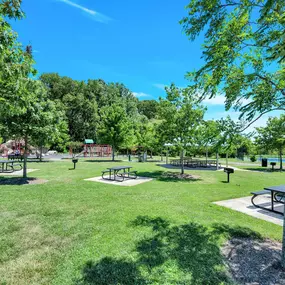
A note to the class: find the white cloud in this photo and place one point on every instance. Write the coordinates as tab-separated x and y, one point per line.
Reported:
142	95
97	16
218	100
159	86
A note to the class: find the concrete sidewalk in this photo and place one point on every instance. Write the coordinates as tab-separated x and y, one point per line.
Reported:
245	206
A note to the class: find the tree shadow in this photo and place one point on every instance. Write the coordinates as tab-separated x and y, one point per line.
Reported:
110	271
102	160
191	252
168	177
235	232
16	180
192	247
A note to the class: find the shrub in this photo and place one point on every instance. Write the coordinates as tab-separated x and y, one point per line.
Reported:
253	158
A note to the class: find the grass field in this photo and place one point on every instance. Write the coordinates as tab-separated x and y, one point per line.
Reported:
71	231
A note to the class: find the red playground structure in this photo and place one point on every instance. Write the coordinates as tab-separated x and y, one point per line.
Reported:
100	150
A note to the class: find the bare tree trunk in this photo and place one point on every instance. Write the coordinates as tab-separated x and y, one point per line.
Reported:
217	158
25	157
41	153
113	153
206	155
182	161
283	245
280	157
167	156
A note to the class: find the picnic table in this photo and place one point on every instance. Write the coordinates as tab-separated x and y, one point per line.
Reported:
277	194
9	166
119	173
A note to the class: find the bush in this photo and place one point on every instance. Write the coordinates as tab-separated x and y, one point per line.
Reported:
253	158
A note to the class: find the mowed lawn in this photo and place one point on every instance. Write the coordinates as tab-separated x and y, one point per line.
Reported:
71	231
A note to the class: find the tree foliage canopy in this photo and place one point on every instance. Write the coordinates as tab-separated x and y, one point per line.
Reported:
243	50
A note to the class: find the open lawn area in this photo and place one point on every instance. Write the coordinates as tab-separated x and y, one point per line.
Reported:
71	231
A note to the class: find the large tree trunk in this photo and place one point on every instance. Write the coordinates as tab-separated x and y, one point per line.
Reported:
182	161
283	245
280	157
217	158
25	157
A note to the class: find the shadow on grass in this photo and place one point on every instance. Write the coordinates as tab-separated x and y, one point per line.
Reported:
168	176
101	160
169	166
110	271
16	180
191	253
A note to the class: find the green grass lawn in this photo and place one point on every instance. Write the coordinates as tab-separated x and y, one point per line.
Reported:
71	231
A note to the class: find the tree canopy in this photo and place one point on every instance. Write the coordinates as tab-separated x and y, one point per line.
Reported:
243	52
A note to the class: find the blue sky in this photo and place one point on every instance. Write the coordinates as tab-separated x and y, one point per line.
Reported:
139	43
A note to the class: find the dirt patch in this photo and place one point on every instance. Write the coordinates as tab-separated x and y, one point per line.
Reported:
177	175
253	262
21	181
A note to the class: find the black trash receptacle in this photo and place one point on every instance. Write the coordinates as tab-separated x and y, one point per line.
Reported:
264	162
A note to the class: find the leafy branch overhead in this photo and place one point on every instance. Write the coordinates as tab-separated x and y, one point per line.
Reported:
244	53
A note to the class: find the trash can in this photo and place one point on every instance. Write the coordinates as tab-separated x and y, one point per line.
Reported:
264	162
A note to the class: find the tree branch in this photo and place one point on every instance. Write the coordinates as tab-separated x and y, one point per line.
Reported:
271	110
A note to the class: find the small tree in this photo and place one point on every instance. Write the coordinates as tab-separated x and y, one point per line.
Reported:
272	136
181	115
114	127
33	115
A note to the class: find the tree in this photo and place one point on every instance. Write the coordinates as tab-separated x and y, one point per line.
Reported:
114	126
272	136
33	116
208	133
145	133
243	52
229	132
148	108
181	114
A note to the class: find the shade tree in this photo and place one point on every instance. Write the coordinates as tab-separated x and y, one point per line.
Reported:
181	115
272	136
243	53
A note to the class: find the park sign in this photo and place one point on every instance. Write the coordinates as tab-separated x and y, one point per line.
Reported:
88	141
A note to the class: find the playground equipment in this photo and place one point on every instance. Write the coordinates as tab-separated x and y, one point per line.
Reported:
15	147
91	149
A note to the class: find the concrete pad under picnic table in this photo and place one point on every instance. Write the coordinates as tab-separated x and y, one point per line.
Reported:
245	206
126	182
17	173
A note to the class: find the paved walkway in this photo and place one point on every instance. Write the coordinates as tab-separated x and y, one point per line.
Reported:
244	205
17	173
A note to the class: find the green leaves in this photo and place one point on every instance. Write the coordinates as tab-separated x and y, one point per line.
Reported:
243	52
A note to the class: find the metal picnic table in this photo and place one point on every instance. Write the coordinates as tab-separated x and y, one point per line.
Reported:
277	196
4	164
119	173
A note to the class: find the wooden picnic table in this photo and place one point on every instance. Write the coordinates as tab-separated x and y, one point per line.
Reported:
119	173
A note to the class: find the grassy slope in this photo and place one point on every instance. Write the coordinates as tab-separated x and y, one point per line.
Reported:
71	231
